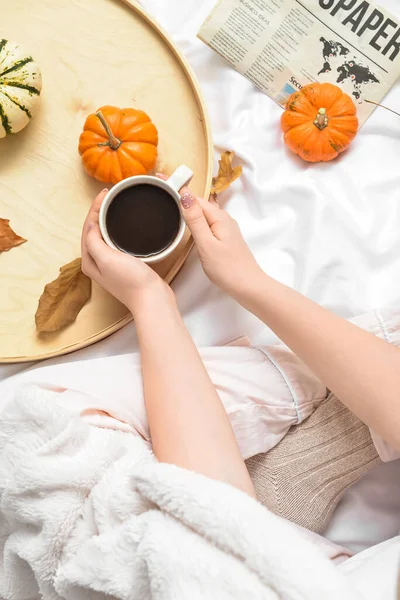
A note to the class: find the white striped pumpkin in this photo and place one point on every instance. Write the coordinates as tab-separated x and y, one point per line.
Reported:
20	86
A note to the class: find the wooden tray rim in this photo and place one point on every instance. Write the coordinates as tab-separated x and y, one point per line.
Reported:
88	341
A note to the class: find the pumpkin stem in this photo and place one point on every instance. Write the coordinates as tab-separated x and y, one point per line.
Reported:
381	106
321	120
113	141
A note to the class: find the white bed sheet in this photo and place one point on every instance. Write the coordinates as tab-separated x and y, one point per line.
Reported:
330	231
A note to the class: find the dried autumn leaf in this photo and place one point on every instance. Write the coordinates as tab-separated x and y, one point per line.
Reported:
63	298
8	238
226	173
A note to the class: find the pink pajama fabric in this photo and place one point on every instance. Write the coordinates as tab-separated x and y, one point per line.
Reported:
265	390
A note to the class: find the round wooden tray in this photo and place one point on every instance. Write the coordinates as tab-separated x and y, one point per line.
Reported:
91	52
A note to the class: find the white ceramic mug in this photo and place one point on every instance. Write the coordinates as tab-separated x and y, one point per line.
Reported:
181	176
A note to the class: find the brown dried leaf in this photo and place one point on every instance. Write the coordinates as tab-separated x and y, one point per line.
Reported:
226	174
63	298
8	238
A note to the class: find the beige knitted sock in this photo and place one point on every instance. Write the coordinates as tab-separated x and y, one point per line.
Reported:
304	476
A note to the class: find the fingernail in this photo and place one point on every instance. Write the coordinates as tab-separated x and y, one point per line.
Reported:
187	199
105	190
213	198
91	224
159	174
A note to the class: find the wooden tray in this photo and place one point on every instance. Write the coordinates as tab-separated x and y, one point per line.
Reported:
91	52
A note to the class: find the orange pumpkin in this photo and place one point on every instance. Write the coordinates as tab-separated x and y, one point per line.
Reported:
319	122
117	143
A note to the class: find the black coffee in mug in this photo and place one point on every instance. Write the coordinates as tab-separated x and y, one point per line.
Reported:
143	220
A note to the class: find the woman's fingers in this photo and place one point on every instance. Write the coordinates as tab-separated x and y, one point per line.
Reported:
209	208
93	214
89	263
195	218
212	211
162	176
96	246
213	200
89	267
200	215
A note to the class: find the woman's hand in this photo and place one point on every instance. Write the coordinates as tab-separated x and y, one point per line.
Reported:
225	256
127	278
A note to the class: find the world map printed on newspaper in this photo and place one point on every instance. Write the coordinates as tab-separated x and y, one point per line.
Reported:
349	68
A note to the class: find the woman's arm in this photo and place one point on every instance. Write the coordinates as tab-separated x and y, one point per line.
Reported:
187	421
362	370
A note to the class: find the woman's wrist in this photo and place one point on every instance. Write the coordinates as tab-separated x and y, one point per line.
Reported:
152	299
247	288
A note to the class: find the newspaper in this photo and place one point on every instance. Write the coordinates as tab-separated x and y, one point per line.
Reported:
282	45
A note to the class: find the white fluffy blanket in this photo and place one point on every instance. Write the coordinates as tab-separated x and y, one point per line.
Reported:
88	513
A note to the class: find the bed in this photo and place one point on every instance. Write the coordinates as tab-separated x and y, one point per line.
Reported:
330	231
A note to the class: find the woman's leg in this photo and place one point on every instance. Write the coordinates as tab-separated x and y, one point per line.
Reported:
264	392
303	478
305	475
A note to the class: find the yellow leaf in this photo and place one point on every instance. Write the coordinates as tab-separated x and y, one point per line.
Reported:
226	174
63	298
8	238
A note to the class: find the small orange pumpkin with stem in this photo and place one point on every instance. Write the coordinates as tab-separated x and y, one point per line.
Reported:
319	122
117	143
